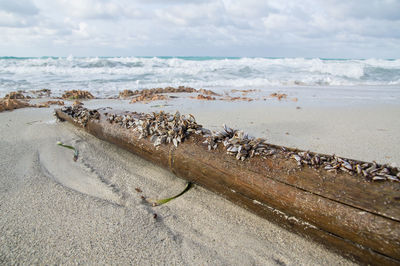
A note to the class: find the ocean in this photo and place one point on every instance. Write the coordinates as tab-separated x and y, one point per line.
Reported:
362	79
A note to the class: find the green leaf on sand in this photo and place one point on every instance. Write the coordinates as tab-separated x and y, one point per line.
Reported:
163	201
69	147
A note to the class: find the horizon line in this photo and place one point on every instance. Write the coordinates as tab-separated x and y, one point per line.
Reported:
191	56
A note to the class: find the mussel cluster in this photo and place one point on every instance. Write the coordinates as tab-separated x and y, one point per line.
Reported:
238	144
160	127
126	120
242	146
80	114
371	171
163	128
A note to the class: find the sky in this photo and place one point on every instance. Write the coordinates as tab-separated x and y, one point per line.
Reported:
253	28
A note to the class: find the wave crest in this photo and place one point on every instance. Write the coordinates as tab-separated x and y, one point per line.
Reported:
105	73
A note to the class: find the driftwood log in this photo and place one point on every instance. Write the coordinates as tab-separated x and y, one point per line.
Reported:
357	218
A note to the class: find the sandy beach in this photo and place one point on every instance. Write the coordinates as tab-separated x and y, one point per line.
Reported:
55	210
270	130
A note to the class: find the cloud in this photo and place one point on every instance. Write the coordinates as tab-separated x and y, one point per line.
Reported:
91	9
373	9
193	15
17	14
328	28
14	20
22	7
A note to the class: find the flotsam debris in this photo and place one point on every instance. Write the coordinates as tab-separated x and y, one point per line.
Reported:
16	100
155	94
238	98
244	92
148	95
125	94
48	103
160	127
148	98
42	93
16	95
204	97
180	89
279	96
11	104
77	94
164	128
80	114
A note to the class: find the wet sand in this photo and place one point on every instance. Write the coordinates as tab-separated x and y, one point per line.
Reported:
55	210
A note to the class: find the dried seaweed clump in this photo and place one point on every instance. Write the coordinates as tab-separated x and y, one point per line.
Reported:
226	98
15	95
279	96
180	89
77	94
204	97
244	92
80	114
11	104
161	127
126	93
147	94
237	98
42	93
208	92
48	103
55	102
148	98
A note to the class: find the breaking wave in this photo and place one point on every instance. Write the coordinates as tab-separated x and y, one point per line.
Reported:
105	74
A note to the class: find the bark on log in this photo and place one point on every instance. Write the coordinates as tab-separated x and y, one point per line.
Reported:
355	217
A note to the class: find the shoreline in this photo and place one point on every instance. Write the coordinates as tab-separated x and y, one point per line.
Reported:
317	95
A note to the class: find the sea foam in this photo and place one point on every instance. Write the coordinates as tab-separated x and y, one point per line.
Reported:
106	74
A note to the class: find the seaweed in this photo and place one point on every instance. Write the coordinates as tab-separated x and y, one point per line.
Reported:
163	201
75	158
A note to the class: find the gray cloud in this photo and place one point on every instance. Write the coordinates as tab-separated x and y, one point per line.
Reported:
15	20
23	7
18	14
374	9
330	28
